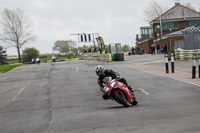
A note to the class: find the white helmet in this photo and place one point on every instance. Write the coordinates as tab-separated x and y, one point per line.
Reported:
99	69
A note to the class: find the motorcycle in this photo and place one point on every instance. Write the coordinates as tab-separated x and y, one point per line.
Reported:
119	92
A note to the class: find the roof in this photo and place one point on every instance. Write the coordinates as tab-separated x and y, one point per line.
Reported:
189	30
146	27
178	12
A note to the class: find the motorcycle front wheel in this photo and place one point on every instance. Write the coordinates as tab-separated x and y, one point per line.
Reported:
121	98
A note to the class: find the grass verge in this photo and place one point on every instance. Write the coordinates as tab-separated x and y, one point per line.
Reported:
8	67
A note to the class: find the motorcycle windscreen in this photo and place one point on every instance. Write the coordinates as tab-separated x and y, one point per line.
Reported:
106	80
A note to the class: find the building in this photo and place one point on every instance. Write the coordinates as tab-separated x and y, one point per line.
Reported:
191	38
145	40
175	19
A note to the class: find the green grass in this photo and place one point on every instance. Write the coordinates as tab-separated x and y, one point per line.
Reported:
6	68
12	61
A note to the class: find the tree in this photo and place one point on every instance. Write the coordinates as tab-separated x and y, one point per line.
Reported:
152	11
29	53
189	6
16	29
85	48
125	48
2	55
75	51
80	50
64	46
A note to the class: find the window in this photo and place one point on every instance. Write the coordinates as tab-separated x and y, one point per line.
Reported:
150	33
194	23
145	31
167	26
187	24
175	26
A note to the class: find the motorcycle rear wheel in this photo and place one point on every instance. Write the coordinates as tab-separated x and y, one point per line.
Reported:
121	98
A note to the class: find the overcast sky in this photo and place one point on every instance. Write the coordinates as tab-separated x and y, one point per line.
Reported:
114	20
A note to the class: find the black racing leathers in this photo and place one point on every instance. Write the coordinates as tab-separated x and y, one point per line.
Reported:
107	73
113	75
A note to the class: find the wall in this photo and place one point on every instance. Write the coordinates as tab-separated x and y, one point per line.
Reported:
170	42
145	46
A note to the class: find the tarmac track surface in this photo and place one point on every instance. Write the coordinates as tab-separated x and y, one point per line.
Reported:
64	97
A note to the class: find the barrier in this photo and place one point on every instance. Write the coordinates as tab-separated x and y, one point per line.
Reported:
186	54
105	57
119	57
91	56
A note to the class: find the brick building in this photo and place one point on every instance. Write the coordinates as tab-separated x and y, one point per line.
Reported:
162	28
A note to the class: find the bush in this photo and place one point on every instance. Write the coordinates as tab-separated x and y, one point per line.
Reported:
69	55
29	53
2	56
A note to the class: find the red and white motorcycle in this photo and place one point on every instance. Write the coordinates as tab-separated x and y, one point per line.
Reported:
119	92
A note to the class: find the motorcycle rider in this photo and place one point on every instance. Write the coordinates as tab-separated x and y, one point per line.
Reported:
102	73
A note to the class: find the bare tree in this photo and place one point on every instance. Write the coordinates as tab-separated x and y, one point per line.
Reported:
16	29
153	10
64	46
189	6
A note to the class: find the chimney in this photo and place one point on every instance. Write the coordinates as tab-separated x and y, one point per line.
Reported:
177	2
137	38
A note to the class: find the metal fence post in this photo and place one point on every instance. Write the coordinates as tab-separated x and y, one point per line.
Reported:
199	65
194	67
172	62
166	63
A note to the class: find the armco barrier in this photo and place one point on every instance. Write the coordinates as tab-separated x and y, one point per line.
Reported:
186	54
91	56
105	57
100	57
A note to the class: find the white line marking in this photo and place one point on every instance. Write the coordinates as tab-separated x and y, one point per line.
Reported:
187	82
173	78
20	91
143	91
28	82
77	69
14	98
